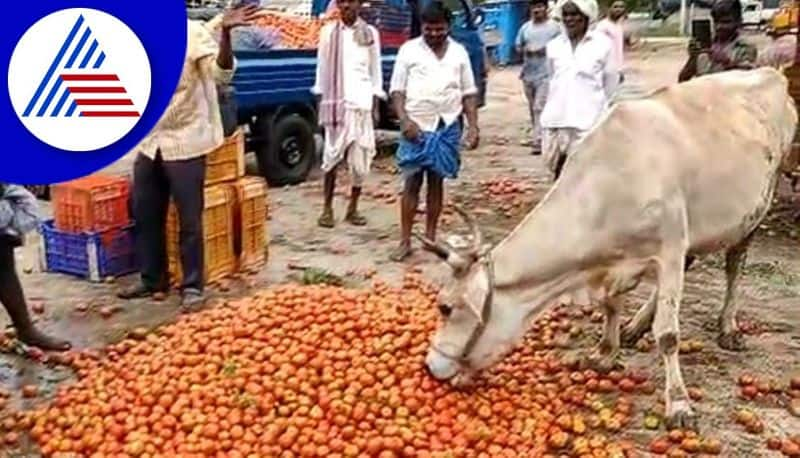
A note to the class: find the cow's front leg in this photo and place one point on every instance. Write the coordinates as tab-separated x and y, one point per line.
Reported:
641	322
679	414
604	357
730	337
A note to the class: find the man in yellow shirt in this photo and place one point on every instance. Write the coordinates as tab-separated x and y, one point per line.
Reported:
171	161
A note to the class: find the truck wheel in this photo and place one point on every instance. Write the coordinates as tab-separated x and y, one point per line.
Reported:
288	154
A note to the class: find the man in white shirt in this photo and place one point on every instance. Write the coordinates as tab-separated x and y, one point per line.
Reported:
349	85
532	40
582	79
432	87
613	26
171	162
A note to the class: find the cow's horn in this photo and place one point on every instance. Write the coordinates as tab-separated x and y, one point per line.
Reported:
477	235
441	250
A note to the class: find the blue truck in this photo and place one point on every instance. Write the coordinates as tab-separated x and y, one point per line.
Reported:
272	97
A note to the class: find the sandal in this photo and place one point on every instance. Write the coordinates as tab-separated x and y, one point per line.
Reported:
326	220
400	253
355	219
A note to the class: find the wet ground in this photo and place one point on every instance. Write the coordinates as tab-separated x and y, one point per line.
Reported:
769	291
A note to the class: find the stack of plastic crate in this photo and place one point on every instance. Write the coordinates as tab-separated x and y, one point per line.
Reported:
234	217
91	235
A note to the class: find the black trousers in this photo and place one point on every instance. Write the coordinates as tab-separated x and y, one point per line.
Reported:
154	182
11	294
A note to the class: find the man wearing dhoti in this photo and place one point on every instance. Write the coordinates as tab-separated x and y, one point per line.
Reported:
349	85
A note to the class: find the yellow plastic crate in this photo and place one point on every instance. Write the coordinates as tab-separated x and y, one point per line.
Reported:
218	235
251	240
226	163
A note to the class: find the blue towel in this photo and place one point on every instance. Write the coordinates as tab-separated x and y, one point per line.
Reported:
435	151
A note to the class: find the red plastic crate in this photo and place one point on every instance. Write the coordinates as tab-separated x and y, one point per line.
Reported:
393	39
90	204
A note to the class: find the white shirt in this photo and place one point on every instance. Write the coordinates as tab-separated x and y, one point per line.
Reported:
615	31
363	77
192	124
581	82
434	88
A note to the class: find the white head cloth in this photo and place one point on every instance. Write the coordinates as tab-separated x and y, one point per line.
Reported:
587	7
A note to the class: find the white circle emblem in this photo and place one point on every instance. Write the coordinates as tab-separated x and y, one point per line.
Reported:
79	79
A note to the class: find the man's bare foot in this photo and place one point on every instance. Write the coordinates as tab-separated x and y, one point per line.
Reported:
35	338
355	218
326	219
400	253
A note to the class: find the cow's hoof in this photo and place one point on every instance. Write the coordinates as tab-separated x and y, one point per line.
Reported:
733	341
630	336
602	364
682	419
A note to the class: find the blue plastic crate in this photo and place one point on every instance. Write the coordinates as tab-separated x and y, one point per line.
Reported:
502	21
90	255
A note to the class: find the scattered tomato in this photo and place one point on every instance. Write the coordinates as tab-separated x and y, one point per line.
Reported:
30	391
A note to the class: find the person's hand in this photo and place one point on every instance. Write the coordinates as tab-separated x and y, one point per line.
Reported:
239	16
410	129
473	137
695	48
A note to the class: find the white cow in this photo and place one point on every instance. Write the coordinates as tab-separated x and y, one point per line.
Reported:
688	170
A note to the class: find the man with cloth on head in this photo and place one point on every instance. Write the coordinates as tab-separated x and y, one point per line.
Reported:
349	85
432	87
583	77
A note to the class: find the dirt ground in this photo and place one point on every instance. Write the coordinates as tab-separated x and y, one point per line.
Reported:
769	291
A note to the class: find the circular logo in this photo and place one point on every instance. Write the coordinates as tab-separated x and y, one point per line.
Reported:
84	91
85	84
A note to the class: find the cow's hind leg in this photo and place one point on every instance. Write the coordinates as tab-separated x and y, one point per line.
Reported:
604	357
730	337
666	330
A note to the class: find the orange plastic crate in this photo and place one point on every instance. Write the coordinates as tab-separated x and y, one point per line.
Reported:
91	204
251	240
219	257
226	163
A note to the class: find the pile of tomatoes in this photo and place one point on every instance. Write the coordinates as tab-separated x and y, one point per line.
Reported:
320	371
510	194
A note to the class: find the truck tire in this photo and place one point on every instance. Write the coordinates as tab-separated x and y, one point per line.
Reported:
287	155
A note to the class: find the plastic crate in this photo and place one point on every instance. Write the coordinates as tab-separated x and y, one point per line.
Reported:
91	204
251	239
387	18
94	256
219	257
226	163
393	39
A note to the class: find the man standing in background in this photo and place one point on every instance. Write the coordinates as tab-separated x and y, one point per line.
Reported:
582	81
729	49
171	162
531	41
432	88
613	26
350	85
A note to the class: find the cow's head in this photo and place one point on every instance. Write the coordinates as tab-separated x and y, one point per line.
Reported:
473	333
